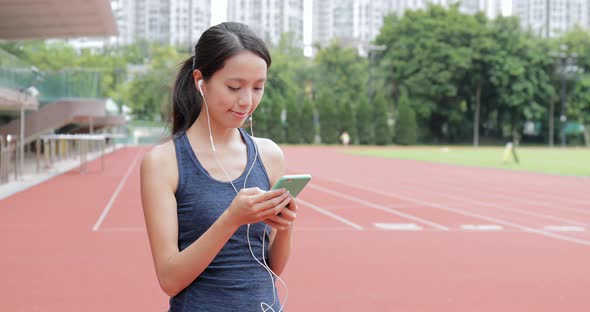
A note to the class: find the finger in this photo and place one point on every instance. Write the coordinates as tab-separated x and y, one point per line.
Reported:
270	203
264	196
280	220
287	214
273	211
292	205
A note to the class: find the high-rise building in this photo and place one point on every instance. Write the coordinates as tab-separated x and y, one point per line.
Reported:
491	8
269	18
368	19
358	22
323	21
176	22
352	22
550	18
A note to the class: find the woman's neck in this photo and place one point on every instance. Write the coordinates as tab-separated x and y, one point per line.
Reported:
221	136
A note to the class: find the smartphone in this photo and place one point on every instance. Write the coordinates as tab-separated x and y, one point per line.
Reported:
293	183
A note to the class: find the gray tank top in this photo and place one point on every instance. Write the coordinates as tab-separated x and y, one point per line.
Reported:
233	281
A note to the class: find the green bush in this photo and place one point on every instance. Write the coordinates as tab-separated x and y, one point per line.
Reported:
382	131
365	122
307	127
406	128
329	123
293	127
274	124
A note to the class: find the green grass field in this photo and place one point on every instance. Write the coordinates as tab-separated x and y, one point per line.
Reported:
568	161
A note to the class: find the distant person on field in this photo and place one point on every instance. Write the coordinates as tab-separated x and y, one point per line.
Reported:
345	138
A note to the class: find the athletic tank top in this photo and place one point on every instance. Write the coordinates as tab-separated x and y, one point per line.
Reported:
233	281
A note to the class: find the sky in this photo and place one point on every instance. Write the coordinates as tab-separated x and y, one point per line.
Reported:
219	14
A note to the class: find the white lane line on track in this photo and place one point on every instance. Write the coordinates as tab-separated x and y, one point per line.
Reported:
564	228
481	227
330	214
495	188
465	213
380	207
517	210
514	199
109	205
398	226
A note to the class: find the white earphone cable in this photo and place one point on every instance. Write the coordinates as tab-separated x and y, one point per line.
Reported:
264	306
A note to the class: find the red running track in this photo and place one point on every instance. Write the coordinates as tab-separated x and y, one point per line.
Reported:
372	235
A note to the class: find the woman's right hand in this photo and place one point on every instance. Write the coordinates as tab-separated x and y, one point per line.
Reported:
252	205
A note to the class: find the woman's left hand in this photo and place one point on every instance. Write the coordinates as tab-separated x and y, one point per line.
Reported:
285	218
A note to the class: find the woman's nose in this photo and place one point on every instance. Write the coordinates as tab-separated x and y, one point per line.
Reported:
245	98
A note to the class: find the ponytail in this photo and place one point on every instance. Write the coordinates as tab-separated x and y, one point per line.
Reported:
186	104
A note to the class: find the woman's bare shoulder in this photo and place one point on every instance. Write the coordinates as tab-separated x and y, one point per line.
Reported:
270	148
160	161
273	158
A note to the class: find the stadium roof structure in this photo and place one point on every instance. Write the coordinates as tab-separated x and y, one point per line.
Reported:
45	19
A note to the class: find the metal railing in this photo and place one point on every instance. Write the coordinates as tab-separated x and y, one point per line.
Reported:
9	156
52	149
57	147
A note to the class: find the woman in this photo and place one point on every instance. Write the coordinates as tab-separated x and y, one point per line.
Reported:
206	192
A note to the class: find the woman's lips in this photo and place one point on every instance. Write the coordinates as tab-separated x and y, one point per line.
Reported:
240	115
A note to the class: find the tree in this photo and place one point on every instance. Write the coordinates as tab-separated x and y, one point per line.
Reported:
380	119
578	42
274	125
261	117
579	105
365	123
282	91
406	128
428	53
342	73
307	126
293	122
348	118
477	82
519	72
149	94
329	123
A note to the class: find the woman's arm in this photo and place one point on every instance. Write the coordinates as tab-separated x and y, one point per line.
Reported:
281	233
280	248
176	269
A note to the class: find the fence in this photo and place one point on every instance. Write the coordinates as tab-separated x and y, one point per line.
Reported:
53	148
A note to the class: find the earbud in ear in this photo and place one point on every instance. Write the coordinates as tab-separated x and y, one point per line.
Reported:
200	84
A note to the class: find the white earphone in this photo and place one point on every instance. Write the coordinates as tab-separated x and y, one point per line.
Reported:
263	305
200	84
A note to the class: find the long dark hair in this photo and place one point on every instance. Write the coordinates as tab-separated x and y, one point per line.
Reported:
217	44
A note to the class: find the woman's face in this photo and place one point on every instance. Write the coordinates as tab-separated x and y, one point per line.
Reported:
233	92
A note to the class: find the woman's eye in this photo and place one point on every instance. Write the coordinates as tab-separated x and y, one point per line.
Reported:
233	88
259	89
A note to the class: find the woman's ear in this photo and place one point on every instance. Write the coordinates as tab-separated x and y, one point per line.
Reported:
197	75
